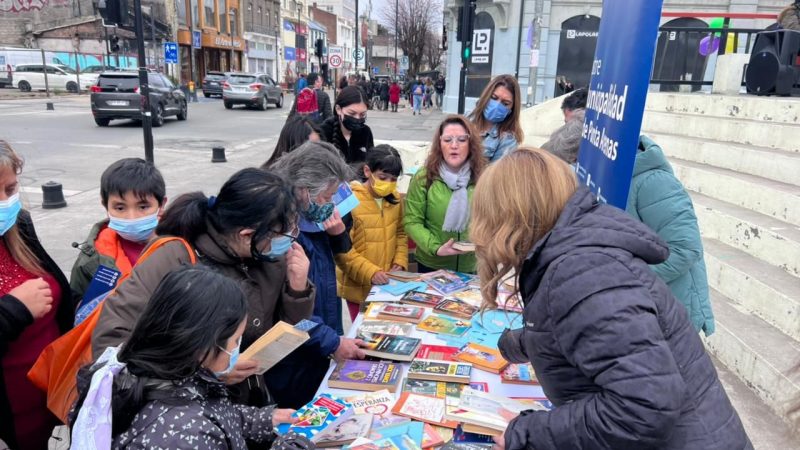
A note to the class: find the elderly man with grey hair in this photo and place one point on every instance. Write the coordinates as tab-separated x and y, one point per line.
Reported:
318	172
565	141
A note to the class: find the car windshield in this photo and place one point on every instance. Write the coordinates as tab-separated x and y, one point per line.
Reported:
215	77
241	79
121	83
67	69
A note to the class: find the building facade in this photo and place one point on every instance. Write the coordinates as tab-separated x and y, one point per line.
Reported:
294	40
210	37
261	35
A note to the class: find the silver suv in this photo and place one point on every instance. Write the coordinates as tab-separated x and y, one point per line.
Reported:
251	89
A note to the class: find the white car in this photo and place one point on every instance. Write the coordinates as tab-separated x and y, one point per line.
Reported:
29	77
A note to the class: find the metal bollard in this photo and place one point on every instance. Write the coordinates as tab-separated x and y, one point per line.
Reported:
218	155
53	196
50	106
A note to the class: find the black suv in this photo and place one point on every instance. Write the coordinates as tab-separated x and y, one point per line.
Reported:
116	96
212	83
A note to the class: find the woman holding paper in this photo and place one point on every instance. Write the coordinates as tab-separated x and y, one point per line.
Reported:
614	351
437	209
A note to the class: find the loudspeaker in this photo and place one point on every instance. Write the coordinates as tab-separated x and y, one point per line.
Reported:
773	68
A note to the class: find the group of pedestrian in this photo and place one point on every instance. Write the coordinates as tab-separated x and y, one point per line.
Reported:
613	301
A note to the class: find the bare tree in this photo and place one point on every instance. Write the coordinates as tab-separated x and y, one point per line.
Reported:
433	50
412	21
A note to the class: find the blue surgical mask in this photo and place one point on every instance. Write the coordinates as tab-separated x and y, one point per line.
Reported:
278	247
9	210
234	357
495	111
318	213
134	230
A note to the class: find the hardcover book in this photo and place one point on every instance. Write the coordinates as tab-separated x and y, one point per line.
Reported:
421	299
274	345
402	313
422	408
387	346
464	246
482	357
456	308
439	324
316	415
440	352
519	374
365	375
386	327
435	370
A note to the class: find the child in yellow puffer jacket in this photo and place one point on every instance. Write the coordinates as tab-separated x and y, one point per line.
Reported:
379	241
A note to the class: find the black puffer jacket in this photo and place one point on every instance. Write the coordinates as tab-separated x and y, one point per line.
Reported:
613	349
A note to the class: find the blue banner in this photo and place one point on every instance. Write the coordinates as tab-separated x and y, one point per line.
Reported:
617	94
288	53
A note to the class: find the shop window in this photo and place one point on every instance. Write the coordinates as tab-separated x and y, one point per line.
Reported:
181	5
234	15
208	14
195	14
223	21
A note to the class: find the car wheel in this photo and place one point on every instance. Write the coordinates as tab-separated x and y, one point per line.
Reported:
24	86
72	87
264	104
101	122
158	116
279	104
183	114
206	95
228	105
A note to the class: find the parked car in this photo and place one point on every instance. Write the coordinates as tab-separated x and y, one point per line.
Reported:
99	69
251	89
212	83
116	96
11	57
29	77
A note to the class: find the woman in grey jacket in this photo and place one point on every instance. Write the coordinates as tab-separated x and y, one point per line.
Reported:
613	349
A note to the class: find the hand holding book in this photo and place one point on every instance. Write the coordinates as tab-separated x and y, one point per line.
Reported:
243	369
448	250
349	349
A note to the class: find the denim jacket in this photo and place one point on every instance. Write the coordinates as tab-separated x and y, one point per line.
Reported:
496	145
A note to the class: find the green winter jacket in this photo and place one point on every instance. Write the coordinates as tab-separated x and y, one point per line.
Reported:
423	220
660	201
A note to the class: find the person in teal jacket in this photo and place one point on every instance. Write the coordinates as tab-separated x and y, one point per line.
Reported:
659	200
437	208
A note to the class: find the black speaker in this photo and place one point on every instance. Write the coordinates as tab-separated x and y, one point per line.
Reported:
773	67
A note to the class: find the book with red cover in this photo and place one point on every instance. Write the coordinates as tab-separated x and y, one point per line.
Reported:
440	352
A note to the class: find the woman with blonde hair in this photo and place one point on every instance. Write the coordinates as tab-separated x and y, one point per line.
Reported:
614	351
496	117
437	210
36	307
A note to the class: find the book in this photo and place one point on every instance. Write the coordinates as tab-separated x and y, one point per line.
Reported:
451	392
365	375
519	374
105	279
387	346
508	302
386	327
435	370
379	404
344	431
535	403
482	357
440	352
414	430
274	345
406	436
421	299
316	415
456	308
402	275
400	288
422	408
431	437
459	435
444	282
470	295
402	313
482	409
345	201
371	313
439	324
451	445
464	246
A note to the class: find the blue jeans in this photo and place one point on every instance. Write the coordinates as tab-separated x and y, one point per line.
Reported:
417	103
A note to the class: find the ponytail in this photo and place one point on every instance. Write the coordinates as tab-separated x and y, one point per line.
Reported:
185	217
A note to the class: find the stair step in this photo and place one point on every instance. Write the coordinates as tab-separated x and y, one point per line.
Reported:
761	288
772	164
768	197
739	131
763	237
769	110
758	353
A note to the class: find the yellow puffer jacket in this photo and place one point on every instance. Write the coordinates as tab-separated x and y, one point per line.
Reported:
379	241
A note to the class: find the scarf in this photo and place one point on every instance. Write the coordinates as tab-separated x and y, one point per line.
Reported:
92	428
457	216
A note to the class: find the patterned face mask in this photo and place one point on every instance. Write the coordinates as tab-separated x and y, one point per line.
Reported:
318	213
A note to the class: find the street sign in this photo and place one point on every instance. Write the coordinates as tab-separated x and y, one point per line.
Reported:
335	59
197	38
404	63
617	94
171	52
375	70
358	54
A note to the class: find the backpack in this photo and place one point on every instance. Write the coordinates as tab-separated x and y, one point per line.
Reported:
307	104
56	369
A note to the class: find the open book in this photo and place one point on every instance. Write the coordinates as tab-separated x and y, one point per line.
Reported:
276	344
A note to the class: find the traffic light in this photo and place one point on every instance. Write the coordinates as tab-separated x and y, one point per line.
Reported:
467	25
114	12
114	43
318	48
444	37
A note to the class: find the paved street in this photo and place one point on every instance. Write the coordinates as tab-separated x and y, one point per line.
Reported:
66	146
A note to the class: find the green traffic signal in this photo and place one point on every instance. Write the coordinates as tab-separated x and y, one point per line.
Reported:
466	52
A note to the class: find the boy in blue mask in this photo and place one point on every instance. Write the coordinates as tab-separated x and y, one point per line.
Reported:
134	194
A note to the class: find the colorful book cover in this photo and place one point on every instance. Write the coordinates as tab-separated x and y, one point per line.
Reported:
471	296
387	343
379	404
455	307
450	392
345	201
404	311
440	352
459	435
405	436
316	415
482	357
451	445
519	374
444	282
431	437
422	298
440	368
439	324
345	430
535	403
386	327
371	373
422	408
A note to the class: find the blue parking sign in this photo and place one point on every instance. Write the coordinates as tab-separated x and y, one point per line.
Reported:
171	52
197	39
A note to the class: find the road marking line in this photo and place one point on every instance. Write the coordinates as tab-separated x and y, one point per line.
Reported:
38	190
96	145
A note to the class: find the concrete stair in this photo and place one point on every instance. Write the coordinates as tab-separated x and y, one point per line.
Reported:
739	158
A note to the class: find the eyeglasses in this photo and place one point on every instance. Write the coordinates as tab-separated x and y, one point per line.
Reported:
293	234
464	138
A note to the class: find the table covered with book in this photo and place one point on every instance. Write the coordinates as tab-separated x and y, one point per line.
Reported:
433	376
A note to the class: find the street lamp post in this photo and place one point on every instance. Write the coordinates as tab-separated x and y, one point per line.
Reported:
396	7
232	14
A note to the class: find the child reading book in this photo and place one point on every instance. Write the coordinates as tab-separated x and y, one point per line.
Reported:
379	241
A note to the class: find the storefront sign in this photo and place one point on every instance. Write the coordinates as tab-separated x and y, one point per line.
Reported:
288	54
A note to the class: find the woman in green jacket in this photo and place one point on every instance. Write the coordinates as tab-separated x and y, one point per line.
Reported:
438	199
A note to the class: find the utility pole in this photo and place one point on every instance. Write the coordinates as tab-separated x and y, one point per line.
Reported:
355	47
537	33
467	16
144	87
396	33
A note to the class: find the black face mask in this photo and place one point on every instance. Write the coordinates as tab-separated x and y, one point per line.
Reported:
353	124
